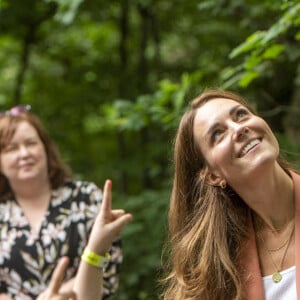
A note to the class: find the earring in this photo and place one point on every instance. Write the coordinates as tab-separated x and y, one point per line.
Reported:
223	184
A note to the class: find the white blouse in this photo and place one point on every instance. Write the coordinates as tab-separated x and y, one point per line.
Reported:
283	290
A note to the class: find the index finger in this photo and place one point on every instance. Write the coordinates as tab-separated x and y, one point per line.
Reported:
58	275
106	202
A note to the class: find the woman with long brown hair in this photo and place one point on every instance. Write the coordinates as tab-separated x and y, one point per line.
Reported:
233	223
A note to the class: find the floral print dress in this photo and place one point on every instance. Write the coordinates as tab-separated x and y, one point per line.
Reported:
27	260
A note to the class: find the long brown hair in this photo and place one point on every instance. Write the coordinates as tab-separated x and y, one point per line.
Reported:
58	172
206	223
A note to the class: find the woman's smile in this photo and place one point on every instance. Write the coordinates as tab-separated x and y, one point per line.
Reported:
249	147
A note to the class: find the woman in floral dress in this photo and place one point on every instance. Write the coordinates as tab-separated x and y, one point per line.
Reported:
44	213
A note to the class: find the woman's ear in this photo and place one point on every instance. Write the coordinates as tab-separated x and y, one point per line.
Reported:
210	177
214	179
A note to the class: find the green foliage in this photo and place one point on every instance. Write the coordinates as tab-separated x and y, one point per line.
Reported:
110	80
8	66
67	10
264	45
161	109
290	150
143	241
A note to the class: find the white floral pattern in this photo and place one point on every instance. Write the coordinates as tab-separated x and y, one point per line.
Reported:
27	260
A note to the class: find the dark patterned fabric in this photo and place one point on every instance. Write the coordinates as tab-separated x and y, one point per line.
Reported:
27	260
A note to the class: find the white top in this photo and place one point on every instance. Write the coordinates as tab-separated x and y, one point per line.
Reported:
285	289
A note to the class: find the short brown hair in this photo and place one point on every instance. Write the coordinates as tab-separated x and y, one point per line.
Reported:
58	171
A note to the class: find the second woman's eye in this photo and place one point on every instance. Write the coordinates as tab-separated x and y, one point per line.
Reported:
241	112
31	142
10	147
216	135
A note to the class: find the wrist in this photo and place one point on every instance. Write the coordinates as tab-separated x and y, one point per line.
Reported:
100	250
94	259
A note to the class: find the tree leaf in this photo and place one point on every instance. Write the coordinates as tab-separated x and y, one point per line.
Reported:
247	78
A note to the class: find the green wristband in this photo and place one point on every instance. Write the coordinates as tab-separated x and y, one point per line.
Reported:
94	259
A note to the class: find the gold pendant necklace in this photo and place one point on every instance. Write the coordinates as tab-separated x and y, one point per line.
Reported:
277	276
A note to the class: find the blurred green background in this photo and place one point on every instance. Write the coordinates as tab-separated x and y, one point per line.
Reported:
110	79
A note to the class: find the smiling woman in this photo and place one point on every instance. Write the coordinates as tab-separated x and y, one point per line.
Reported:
24	157
232	220
233	132
44	213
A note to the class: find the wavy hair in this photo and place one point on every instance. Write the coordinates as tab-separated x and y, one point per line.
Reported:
206	223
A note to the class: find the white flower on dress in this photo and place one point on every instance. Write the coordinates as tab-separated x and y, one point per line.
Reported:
8	240
52	233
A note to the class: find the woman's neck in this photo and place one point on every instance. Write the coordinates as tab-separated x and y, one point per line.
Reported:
33	192
271	198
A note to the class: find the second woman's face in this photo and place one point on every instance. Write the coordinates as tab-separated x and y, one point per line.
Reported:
235	142
24	157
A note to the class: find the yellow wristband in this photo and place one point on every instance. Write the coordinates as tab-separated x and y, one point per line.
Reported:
94	259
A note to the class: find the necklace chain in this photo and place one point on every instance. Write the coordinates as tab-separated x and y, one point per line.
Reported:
280	247
276	277
258	224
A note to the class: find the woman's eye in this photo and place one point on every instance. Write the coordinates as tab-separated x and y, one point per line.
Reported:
31	143
241	113
10	148
216	135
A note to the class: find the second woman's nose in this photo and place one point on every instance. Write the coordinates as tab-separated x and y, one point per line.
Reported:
23	151
239	131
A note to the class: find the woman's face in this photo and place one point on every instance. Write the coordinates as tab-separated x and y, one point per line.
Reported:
24	157
234	142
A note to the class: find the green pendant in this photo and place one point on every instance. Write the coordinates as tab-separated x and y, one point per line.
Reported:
276	277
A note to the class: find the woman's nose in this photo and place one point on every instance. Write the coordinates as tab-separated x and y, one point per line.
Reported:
239	132
23	151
